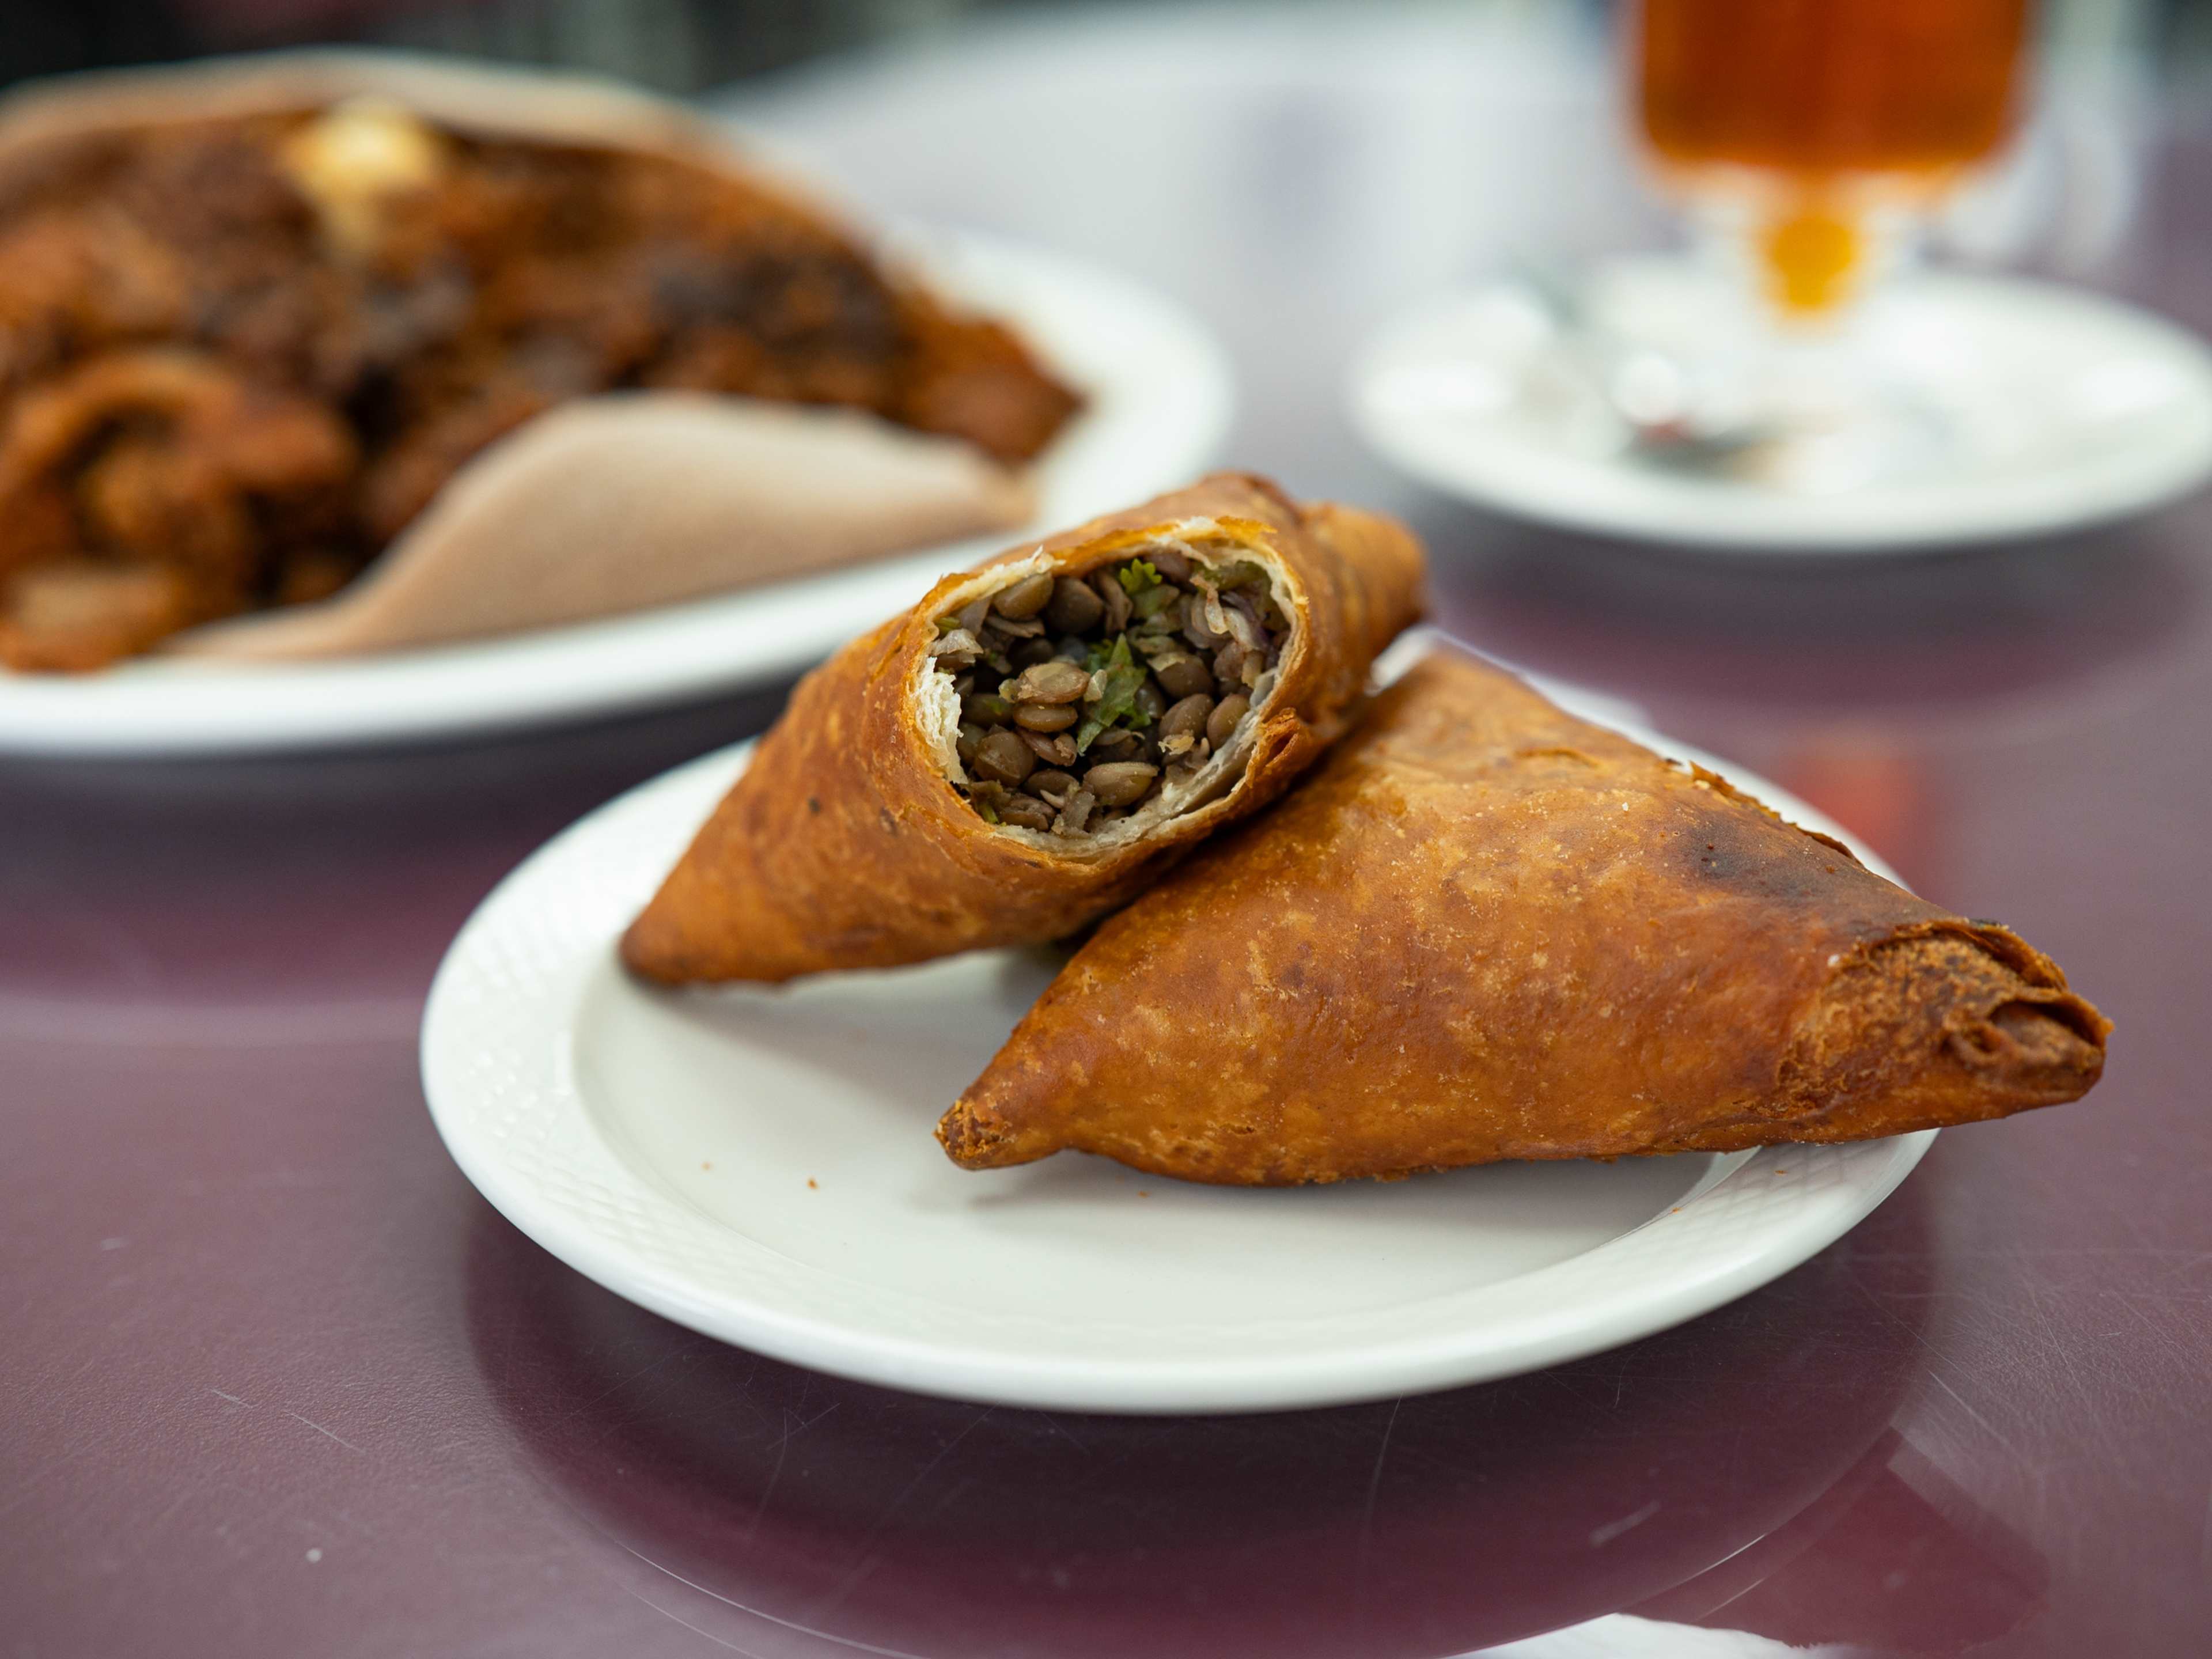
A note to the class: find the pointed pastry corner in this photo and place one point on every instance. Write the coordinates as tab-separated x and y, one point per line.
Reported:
689	933
1943	1024
976	1137
677	940
2029	1037
2039	1052
647	949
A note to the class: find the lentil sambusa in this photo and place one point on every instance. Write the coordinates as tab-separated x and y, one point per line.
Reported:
1037	741
1485	929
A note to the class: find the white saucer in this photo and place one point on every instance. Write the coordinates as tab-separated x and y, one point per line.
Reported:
2067	409
758	1165
1160	393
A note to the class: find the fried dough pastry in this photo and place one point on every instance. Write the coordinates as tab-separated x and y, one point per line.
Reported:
430	259
1485	930
1006	761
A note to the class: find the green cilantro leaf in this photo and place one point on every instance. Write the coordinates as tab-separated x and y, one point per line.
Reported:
1116	702
1153	601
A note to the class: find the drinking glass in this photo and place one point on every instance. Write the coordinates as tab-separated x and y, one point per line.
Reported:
1807	140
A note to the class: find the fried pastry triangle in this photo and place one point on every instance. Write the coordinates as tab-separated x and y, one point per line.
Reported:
871	830
1485	929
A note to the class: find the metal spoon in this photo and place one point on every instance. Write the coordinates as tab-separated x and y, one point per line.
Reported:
1649	392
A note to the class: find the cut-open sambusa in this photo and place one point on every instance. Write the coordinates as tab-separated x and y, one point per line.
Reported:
1035	742
1485	929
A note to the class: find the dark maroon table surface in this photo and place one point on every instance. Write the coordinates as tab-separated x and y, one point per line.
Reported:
274	1381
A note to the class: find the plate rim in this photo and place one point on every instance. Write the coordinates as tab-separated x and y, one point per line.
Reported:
1554	489
619	664
1427	1360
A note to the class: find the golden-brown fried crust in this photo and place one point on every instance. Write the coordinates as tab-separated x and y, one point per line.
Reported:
843	845
1485	929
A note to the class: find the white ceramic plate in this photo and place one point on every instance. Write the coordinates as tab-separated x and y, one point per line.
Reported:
1160	393
758	1165
2063	408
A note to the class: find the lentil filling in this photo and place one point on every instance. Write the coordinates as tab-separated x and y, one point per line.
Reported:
1085	700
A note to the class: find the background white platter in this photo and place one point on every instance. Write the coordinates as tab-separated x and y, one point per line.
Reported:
1160	393
758	1164
2065	409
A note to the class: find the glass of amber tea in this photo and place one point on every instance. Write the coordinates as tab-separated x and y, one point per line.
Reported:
1815	132
1808	139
